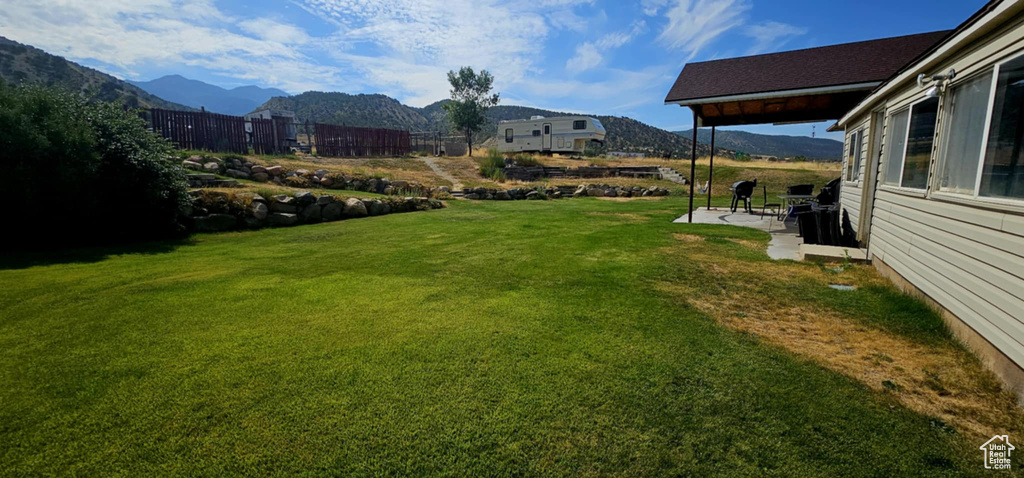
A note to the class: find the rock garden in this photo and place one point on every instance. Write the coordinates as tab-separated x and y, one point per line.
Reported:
558	192
220	211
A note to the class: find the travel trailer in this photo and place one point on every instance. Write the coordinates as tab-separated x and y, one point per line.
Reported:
565	134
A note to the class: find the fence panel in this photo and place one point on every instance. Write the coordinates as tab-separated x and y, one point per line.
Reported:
345	141
201	130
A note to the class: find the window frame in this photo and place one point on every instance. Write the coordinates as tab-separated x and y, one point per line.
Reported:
1010	205
510	135
945	112
577	122
928	186
853	175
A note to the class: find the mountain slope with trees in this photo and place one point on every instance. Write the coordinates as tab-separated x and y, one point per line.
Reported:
235	101
26	64
380	111
772	145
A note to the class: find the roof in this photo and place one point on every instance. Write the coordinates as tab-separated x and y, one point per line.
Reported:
985	20
871	61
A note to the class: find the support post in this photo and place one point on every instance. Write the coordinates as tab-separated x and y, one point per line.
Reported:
693	161
711	166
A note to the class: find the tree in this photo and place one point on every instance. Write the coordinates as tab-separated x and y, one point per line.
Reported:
471	97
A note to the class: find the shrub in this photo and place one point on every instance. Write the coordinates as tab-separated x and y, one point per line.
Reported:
84	173
493	165
524	159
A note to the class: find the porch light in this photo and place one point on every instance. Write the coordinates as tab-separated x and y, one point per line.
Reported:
940	81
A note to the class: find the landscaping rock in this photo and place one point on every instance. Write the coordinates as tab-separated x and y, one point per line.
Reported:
647	193
304	198
257	169
191	165
259	210
215	223
275	170
471	196
610	193
321	173
595	192
261	177
400	185
282	219
502	196
284	204
332	211
311	213
211	167
325	200
354	208
237	174
326	181
533	195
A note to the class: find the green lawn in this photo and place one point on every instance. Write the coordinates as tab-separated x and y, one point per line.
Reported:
489	338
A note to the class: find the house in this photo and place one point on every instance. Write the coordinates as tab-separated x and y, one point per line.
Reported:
933	180
933	174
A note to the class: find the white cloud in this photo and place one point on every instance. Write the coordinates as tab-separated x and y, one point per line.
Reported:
693	24
268	29
771	35
589	54
587	57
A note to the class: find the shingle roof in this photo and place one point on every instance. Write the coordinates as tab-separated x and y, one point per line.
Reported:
835	65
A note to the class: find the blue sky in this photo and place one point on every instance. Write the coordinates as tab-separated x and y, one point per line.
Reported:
599	56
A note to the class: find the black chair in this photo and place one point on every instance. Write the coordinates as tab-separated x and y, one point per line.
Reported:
776	205
742	191
829	193
800	189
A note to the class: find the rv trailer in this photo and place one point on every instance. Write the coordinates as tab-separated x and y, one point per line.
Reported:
565	134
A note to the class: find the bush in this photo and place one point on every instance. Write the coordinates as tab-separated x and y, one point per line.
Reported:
493	165
84	173
524	159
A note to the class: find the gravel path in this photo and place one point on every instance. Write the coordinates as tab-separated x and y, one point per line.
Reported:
456	185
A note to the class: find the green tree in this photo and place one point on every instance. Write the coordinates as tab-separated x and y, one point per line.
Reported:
471	97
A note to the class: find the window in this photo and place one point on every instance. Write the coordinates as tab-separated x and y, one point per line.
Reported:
1002	173
508	135
964	132
536	132
579	124
919	143
547	129
910	146
896	142
853	158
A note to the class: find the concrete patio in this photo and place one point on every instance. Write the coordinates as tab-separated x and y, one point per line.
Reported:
785	243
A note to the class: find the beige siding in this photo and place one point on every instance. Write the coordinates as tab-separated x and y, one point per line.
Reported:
966	255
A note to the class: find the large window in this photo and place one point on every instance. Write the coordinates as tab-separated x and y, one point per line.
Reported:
964	132
509	135
1002	174
910	145
853	158
579	124
896	143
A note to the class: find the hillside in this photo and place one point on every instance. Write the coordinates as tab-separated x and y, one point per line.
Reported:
235	101
22	63
773	145
624	134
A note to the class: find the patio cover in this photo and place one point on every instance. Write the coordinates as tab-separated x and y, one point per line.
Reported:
814	84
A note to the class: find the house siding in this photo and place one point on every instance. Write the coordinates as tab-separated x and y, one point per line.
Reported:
965	255
852	192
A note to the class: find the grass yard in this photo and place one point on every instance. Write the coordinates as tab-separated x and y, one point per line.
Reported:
583	336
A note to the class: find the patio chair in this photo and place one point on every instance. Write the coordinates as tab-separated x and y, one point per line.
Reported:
800	189
742	191
775	205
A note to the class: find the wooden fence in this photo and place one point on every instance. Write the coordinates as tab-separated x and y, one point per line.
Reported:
345	141
201	130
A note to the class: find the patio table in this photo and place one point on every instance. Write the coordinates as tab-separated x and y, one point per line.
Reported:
790	200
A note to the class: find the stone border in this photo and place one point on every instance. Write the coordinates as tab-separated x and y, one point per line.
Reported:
558	192
216	211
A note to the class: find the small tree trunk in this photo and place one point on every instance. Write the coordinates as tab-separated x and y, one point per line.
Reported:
469	141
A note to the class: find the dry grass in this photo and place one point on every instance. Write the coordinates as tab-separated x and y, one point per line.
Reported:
406	169
938	378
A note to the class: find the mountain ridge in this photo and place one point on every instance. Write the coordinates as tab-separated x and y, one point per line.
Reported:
783	146
200	94
20	63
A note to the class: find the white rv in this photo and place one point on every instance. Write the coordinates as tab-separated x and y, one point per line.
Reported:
565	134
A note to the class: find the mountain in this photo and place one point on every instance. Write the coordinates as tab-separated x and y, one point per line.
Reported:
772	145
380	111
22	63
236	101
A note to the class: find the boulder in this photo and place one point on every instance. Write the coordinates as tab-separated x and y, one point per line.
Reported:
284	204
259	210
326	181
191	165
556	195
195	158
211	167
610	193
579	193
533	195
257	169
502	196
354	208
321	173
304	173
595	192
374	207
622	193
260	177
332	211
310	213
215	223
647	193
275	170
236	173
389	190
371	185
324	200
471	196
400	185
282	219
304	198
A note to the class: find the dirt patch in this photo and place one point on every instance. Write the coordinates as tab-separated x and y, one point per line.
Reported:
629	217
748	243
942	380
618	199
